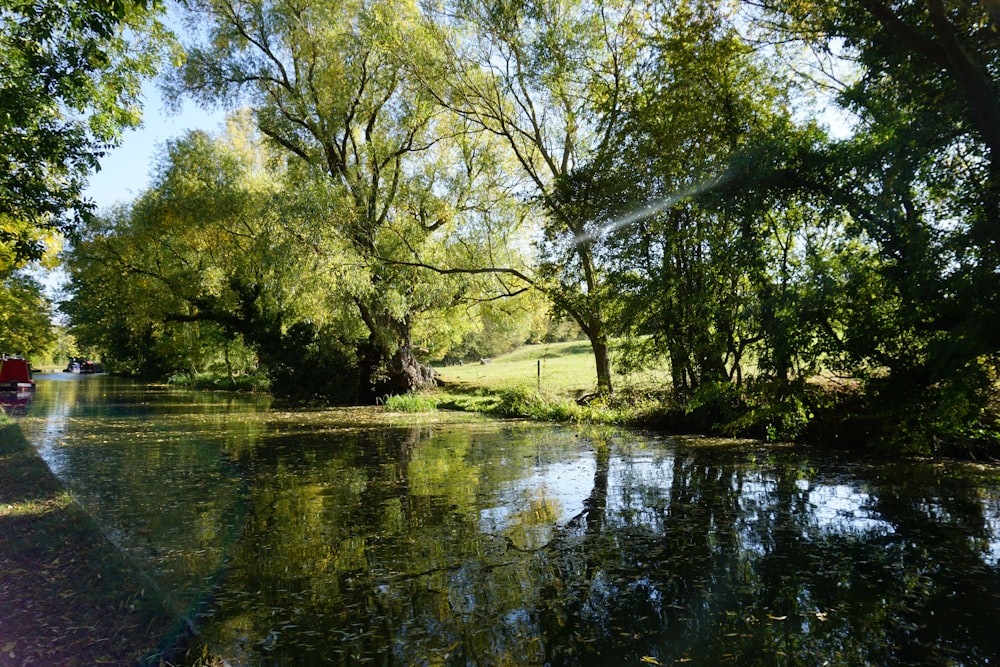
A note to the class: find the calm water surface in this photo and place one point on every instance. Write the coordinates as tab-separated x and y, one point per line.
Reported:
354	537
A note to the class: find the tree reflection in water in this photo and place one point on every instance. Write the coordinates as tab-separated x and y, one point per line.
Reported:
490	543
428	547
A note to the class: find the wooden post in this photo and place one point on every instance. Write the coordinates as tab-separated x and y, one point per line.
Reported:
539	373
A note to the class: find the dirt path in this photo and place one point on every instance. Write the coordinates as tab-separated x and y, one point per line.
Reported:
67	596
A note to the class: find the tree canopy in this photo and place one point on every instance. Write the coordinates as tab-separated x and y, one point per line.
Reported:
416	175
329	85
70	85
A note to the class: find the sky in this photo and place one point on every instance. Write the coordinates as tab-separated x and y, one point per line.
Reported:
125	171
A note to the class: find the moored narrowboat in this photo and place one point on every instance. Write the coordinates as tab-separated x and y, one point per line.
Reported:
15	375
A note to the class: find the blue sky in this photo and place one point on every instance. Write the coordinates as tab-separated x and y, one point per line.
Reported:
126	169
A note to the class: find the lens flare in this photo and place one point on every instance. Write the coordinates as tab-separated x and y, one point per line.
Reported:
653	207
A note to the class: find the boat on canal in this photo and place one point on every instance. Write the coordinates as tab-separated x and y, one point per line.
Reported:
15	376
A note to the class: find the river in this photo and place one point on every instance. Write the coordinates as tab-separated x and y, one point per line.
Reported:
353	536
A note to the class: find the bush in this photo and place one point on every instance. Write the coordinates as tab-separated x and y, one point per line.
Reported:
518	402
531	403
309	364
221	381
950	416
772	410
411	402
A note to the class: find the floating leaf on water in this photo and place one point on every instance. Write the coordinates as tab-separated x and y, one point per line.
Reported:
650	660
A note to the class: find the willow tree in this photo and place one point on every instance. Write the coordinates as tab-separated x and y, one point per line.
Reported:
326	84
546	78
218	257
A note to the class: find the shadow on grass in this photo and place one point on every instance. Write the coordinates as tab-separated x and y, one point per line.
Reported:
67	595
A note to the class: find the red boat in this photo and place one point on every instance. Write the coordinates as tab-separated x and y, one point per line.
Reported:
15	375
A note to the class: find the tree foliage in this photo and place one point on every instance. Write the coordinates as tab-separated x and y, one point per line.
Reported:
325	84
217	252
650	169
919	182
70	85
692	255
228	251
25	326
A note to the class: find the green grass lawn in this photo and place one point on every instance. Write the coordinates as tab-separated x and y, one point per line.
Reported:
566	368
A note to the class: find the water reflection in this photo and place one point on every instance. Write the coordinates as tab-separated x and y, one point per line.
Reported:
15	403
344	537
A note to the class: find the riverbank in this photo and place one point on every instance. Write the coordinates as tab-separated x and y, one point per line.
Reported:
67	596
816	413
810	414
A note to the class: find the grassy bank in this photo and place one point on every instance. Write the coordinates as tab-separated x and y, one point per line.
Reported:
821	411
67	596
549	382
563	390
557	369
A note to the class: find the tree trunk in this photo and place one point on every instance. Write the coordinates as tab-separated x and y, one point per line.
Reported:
388	364
602	359
404	373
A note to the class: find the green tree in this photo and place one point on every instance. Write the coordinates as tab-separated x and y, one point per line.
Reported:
327	84
920	180
216	251
25	316
692	249
228	248
70	84
547	79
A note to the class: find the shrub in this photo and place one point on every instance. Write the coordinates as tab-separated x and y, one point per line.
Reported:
411	402
221	381
526	402
518	402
